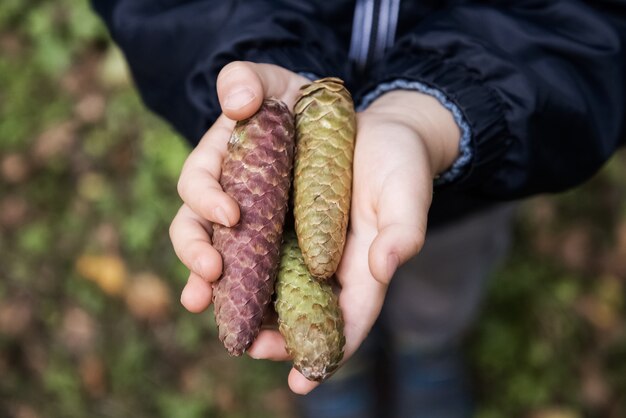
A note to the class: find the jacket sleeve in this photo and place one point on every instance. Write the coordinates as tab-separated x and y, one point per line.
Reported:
176	49
540	84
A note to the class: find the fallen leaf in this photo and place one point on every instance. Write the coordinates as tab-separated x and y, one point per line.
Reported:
13	211
90	109
92	374
555	412
107	237
78	331
595	391
15	316
114	71
148	297
107	271
599	314
55	141
14	168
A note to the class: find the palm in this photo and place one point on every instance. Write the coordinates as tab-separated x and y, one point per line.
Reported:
389	165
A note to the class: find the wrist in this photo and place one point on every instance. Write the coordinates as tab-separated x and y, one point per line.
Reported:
432	122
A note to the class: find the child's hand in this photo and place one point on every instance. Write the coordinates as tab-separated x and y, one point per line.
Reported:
241	88
403	140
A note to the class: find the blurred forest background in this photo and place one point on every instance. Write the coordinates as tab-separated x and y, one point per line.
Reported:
90	323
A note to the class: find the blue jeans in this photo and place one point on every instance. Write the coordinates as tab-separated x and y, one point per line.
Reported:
410	366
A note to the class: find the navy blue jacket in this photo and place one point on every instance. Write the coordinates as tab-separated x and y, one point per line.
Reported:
540	84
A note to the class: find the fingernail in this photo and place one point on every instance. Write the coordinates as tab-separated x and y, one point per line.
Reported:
252	353
392	264
238	98
221	217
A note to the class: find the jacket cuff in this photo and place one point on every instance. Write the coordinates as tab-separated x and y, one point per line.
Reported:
477	110
465	151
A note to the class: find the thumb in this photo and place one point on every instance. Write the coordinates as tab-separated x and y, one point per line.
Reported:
242	86
402	217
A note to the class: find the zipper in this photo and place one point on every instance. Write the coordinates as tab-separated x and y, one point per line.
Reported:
373	30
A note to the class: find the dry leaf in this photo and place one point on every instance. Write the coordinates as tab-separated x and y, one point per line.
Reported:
92	373
78	332
15	316
107	237
90	109
603	308
555	412
107	271
14	168
57	140
114	72
148	297
595	391
13	210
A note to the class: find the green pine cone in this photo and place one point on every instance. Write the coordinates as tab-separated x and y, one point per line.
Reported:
325	137
309	317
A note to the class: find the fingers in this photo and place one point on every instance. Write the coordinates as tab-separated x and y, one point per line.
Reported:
269	345
242	86
299	384
392	191
197	294
198	184
192	244
402	218
361	297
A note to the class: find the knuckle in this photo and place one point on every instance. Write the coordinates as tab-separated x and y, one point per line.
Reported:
182	186
415	239
173	228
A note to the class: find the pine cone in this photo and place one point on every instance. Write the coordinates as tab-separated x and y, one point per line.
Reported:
257	174
309	317
325	136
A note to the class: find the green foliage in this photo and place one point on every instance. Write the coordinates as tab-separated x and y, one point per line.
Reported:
173	405
34	239
62	384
